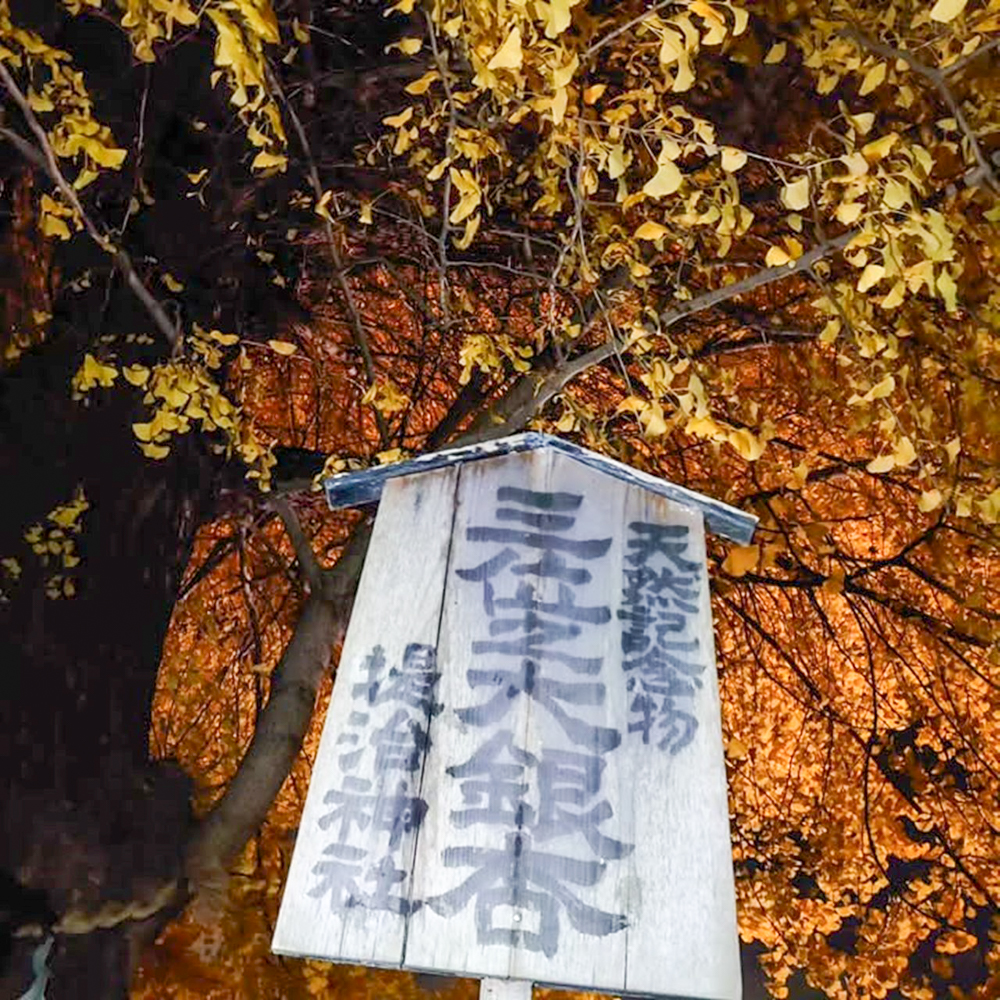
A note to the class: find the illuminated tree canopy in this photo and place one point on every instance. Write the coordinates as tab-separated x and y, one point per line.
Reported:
748	247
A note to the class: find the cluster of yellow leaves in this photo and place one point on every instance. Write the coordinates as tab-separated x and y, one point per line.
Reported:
58	91
479	350
91	374
333	465
184	394
631	173
533	70
53	542
242	27
385	396
688	409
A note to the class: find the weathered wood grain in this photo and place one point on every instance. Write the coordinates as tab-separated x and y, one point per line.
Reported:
682	938
575	829
398	603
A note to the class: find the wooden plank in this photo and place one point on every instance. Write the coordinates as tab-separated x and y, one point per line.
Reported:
518	864
347	892
352	489
569	823
682	938
504	989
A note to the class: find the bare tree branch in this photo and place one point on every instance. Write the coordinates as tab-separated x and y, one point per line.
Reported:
442	240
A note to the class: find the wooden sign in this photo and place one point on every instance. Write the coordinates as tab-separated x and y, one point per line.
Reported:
521	772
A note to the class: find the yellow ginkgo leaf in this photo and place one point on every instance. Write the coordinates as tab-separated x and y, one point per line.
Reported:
732	159
873	78
848	212
172	283
947	10
930	500
470	194
881	389
556	15
777	256
390	456
52	226
877	149
884	463
408	46
741	559
746	443
905	453
137	375
321	208
471	228
106	156
948	290
650	231
666	180
282	347
226	339
795	195
269	161
422	85
736	749
398	121
776	53
509	55
156	451
95	373
871	275
40	102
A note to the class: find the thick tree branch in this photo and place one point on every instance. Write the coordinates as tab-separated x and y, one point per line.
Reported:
285	719
44	157
311	568
533	390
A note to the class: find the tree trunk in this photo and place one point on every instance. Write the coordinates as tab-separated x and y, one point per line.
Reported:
88	819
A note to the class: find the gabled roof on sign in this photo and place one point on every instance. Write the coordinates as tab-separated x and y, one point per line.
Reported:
352	489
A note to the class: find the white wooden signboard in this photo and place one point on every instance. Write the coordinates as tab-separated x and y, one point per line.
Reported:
521	772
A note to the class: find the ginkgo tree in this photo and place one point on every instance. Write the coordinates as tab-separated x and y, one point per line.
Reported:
748	247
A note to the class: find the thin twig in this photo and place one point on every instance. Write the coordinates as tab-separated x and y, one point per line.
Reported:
938	80
45	157
959	64
612	35
353	312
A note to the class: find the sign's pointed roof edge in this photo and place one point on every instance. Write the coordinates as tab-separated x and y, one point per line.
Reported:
352	489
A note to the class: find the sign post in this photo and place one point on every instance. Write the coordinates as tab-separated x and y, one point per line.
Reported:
521	774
